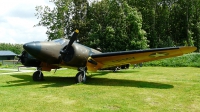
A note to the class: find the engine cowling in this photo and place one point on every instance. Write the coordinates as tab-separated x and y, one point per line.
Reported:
76	55
27	60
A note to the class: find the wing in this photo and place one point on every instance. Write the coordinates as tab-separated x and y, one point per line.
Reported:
110	59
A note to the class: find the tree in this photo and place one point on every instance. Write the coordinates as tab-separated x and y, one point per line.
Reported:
109	24
148	11
181	23
56	20
196	23
116	26
62	20
16	48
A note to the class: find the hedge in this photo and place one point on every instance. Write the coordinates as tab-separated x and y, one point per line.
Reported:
187	60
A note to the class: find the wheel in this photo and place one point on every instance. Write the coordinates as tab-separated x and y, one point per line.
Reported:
127	66
123	66
38	76
141	64
80	77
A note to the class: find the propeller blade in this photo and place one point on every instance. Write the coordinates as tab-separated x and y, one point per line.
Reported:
72	39
19	60
21	57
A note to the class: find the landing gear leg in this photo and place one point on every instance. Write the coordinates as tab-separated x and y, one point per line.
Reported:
38	75
81	75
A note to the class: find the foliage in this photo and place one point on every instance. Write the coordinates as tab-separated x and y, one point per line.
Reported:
55	19
188	60
170	22
125	24
119	27
119	23
16	48
62	20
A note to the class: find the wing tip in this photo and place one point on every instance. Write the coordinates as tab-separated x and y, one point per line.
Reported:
188	49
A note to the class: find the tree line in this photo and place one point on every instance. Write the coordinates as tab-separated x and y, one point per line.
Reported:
16	48
114	25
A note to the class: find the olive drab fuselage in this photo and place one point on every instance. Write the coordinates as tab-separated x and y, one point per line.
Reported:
48	52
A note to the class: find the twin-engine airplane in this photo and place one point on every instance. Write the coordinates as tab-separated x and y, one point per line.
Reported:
67	53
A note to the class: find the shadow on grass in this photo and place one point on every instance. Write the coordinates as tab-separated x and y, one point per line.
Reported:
52	81
104	72
127	83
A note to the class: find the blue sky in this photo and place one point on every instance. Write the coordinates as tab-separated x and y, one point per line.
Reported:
17	20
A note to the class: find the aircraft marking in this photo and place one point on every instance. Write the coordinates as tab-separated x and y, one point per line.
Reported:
158	54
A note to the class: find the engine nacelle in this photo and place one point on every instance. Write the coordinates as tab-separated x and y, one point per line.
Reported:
28	60
77	55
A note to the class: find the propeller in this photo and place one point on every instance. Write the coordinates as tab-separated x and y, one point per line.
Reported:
21	57
71	41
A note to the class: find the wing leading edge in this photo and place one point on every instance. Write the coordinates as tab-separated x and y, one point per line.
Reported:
110	59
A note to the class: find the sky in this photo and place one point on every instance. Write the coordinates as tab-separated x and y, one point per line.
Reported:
17	20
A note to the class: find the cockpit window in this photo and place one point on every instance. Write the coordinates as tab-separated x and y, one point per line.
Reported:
61	41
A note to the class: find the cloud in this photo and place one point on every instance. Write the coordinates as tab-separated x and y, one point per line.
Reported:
17	20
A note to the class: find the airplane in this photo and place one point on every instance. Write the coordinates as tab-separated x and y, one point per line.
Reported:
66	53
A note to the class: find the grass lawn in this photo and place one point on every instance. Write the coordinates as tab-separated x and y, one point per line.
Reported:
146	89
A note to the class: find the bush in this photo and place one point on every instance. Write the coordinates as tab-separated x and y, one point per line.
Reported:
187	60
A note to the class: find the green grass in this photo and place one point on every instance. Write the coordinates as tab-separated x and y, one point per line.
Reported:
146	89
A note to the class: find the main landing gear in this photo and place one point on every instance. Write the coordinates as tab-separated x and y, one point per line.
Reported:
81	75
38	75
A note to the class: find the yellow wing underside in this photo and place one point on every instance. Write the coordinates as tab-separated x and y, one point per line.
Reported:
133	57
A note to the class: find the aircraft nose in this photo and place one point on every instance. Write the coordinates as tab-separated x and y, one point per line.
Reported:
32	47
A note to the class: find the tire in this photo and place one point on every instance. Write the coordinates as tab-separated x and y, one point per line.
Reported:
80	77
37	76
127	66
